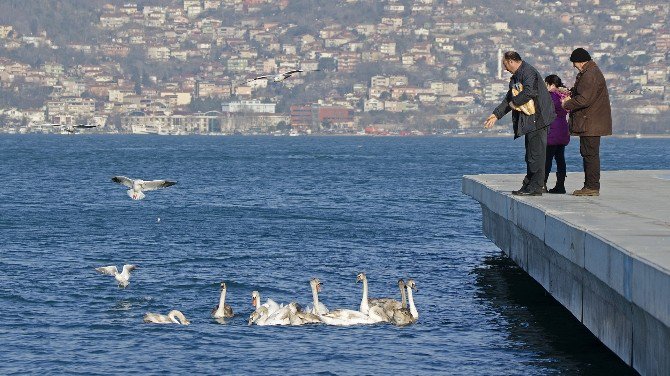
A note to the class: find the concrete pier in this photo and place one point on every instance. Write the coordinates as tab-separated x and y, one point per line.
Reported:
606	258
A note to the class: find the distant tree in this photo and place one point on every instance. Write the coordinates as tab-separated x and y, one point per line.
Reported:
204	104
643	59
327	64
282	126
4	120
28	97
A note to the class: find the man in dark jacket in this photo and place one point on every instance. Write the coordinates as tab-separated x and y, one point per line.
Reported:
590	117
534	126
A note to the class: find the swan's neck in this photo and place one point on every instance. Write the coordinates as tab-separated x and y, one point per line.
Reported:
315	299
181	317
365	306
412	308
222	302
258	301
172	317
404	297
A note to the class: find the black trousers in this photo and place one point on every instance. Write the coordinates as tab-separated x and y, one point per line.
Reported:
536	150
555	152
589	148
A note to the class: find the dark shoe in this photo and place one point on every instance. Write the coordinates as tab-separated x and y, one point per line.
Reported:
557	189
586	192
544	188
560	184
526	192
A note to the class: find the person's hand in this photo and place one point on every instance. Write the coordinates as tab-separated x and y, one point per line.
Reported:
564	100
490	121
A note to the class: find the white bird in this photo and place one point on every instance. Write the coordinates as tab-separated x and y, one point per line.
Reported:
317	308
403	316
73	128
339	317
299	317
258	316
137	186
278	77
412	308
122	278
270	304
378	309
222	310
366	302
171	318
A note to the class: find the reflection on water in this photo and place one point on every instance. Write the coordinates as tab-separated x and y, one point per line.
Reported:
533	318
135	303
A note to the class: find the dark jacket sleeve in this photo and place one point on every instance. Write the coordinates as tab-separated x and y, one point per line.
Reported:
586	93
503	108
528	80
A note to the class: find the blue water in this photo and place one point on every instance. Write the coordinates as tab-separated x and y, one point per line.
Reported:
267	214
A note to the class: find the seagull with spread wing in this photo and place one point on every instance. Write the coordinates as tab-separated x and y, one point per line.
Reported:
73	128
122	278
279	77
137	185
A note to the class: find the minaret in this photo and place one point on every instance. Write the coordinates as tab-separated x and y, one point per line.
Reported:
499	63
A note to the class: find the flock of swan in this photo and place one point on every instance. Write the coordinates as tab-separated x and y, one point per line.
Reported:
371	311
270	313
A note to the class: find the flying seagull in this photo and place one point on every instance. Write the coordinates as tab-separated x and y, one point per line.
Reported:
72	128
122	278
279	77
137	185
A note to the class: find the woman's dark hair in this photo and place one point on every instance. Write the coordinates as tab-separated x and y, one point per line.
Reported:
553	79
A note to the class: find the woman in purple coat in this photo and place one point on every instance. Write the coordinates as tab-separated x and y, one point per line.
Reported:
558	136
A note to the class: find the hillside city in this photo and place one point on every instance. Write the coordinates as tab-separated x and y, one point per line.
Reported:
370	67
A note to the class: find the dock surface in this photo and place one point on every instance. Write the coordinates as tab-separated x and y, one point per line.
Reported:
605	258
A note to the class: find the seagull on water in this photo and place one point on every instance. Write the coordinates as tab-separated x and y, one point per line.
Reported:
279	77
137	185
122	278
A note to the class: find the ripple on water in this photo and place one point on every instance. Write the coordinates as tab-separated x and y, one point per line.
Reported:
268	214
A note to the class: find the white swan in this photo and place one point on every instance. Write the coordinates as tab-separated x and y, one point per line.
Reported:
171	318
262	317
122	278
317	308
387	304
378	311
222	310
271	313
259	316
402	316
300	317
137	185
412	308
270	304
339	317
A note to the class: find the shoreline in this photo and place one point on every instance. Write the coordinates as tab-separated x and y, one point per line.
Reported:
467	135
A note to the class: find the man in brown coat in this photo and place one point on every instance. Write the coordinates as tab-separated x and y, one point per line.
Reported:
590	117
